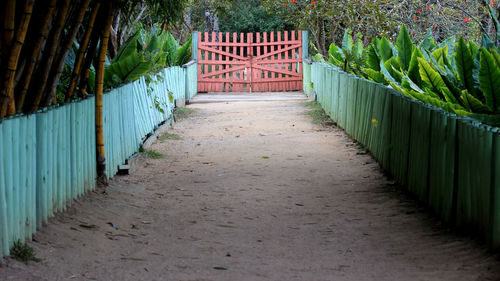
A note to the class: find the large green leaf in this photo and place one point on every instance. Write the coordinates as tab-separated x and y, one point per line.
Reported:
128	49
440	55
183	54
335	55
430	77
465	66
372	58
473	104
450	42
392	65
127	69
448	95
428	43
473	47
405	47
496	56
170	47
385	49
486	42
154	45
413	69
489	80
347	42
358	50
410	85
375	76
388	76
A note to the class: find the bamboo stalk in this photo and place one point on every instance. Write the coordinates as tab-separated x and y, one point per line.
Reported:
99	84
7	91
81	52
9	23
59	65
51	46
33	59
89	57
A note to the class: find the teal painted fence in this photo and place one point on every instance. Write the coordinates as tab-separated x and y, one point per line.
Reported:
191	79
48	158
306	79
451	163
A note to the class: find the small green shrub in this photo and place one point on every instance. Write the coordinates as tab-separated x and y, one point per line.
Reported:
22	252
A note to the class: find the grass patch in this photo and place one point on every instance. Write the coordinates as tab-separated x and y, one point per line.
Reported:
183	112
22	252
317	113
265	157
151	153
168	136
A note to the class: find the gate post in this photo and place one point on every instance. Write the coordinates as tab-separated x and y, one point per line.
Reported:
305	44
194	46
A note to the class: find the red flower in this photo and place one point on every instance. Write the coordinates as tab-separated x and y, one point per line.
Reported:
285	4
293	1
492	5
313	3
418	11
415	18
428	8
467	19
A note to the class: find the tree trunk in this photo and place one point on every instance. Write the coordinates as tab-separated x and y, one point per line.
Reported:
58	67
7	91
81	52
99	83
33	59
51	47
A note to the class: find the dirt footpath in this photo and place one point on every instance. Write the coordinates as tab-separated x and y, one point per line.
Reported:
252	191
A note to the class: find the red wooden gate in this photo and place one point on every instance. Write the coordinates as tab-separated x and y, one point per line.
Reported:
251	62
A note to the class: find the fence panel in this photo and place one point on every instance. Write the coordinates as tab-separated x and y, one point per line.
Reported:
474	175
495	194
451	163
442	164
48	158
418	164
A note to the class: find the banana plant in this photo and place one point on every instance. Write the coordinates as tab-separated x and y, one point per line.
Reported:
351	56
145	53
458	76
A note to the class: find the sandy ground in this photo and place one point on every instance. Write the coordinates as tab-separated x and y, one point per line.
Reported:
252	191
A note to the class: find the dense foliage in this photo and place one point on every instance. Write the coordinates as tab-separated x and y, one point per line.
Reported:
327	19
456	75
145	53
